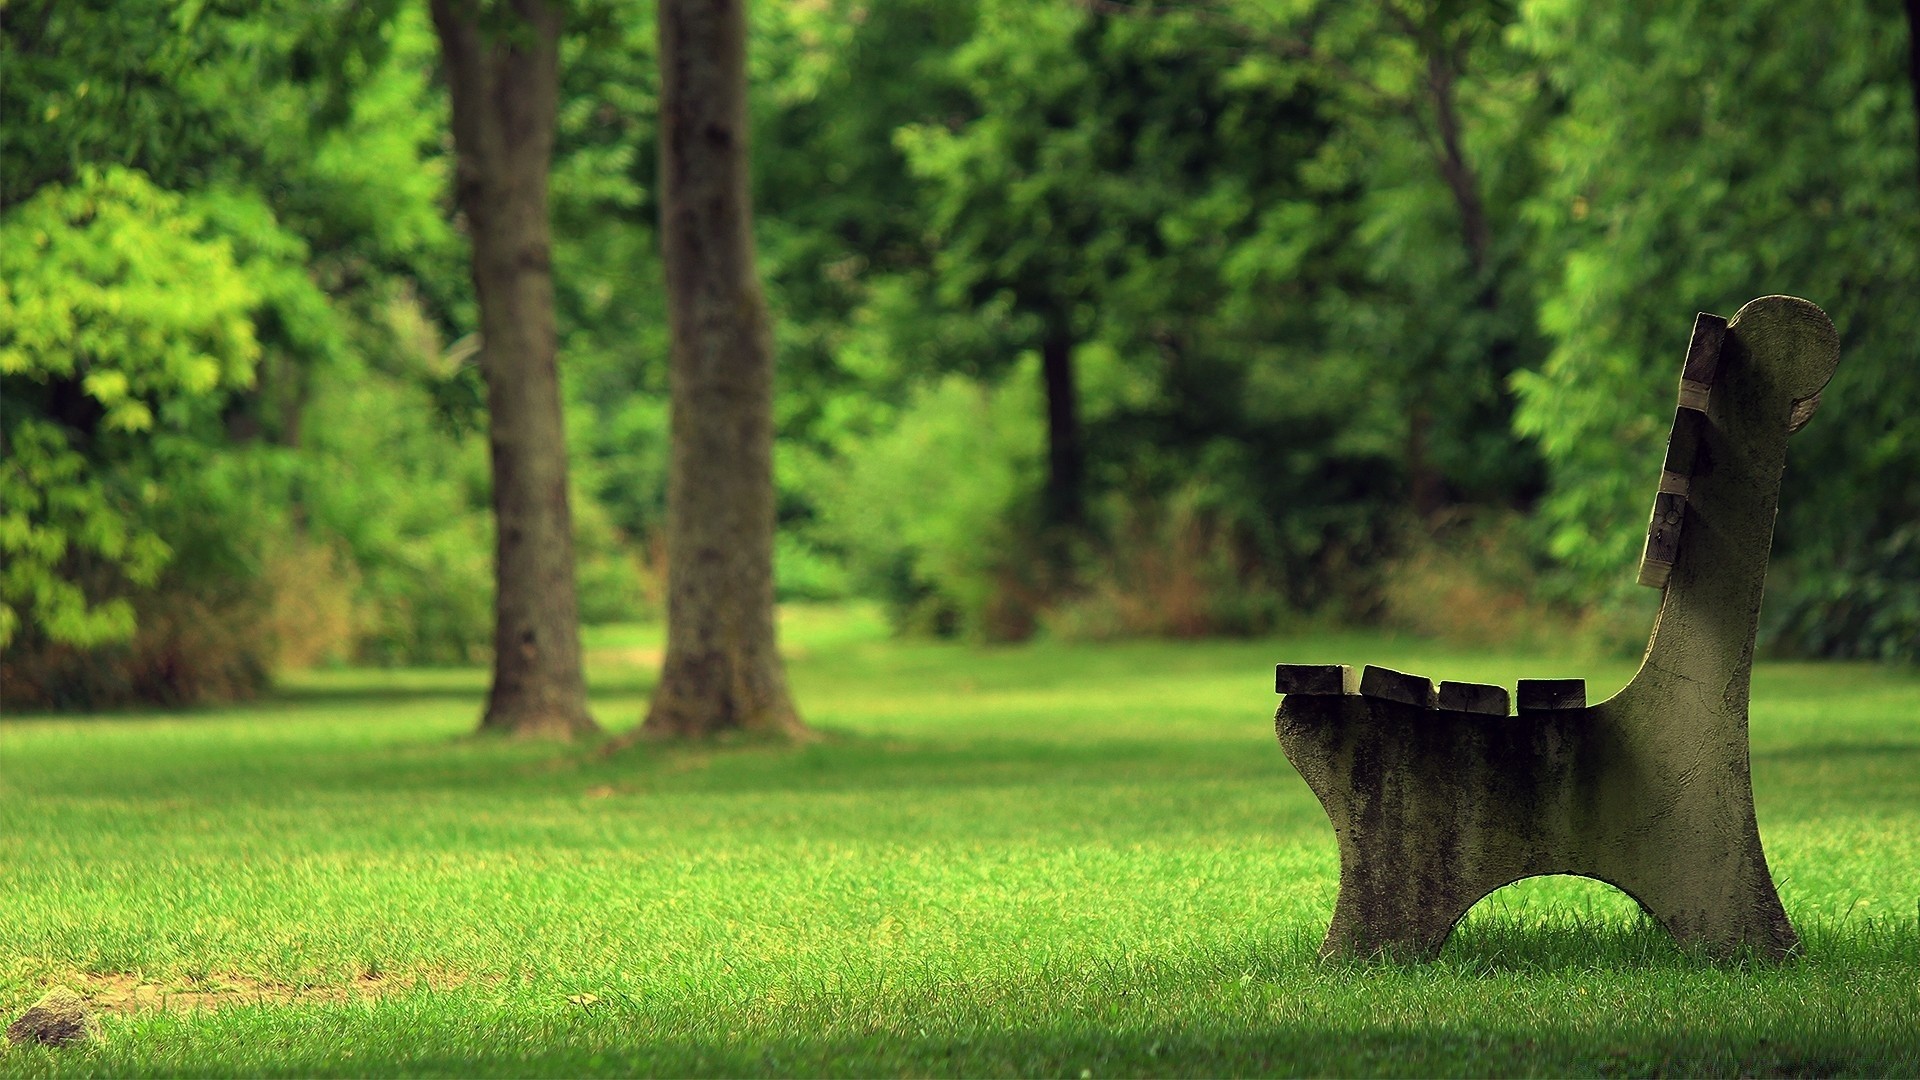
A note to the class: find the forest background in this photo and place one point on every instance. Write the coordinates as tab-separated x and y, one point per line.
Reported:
1094	319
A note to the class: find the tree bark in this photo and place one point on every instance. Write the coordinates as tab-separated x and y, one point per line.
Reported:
505	89
723	671
1066	453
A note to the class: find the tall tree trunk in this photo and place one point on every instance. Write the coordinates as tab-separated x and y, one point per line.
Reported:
505	88
1066	453
723	670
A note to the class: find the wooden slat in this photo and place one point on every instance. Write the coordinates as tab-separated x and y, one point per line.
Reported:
1703	360
1684	441
1325	680
1390	685
1545	694
1663	539
1482	698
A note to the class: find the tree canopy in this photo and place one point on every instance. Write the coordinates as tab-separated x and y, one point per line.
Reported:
1090	317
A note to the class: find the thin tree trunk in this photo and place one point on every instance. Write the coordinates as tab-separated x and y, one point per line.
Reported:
505	89
1913	57
1455	169
723	670
1066	453
1425	485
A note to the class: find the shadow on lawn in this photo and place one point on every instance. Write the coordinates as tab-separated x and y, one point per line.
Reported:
304	697
634	684
1830	750
848	763
841	764
275	700
1309	1042
1558	939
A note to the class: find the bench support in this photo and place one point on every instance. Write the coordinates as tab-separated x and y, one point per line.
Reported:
1649	791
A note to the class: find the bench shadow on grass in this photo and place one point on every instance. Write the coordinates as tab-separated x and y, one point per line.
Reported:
1315	1027
1622	1047
1592	927
1340	1037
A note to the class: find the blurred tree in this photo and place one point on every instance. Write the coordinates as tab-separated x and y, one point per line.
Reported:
1022	201
1434	117
502	64
1712	150
723	671
1143	176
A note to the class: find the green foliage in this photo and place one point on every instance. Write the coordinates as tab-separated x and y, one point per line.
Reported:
299	147
1867	605
413	517
108	366
1435	122
610	297
202	627
1711	151
615	585
840	220
927	511
1137	184
50	508
94	296
1310	256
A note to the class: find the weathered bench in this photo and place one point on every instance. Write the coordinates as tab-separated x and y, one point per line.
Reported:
1438	796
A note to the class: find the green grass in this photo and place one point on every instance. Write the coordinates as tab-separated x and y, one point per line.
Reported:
1055	860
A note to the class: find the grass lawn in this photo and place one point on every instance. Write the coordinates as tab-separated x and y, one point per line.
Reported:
1056	860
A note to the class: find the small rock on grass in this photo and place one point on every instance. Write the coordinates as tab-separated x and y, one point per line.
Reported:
60	1018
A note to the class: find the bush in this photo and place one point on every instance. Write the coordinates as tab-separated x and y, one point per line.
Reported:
1865	604
405	501
612	583
108	368
804	570
188	649
934	513
1184	566
1476	581
203	632
312	616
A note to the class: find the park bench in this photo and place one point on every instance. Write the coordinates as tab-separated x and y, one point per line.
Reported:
1439	796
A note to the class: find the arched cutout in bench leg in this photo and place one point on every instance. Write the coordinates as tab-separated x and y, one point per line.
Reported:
1439	799
1554	920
